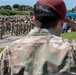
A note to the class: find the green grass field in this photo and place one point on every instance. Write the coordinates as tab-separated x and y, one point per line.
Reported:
21	16
1	49
69	35
3	16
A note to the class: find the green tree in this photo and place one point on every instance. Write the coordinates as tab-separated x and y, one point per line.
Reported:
16	6
2	7
8	7
22	7
73	10
29	7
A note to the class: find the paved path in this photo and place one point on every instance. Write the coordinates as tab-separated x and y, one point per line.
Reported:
7	39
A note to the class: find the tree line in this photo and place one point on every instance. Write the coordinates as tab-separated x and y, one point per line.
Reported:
73	10
17	7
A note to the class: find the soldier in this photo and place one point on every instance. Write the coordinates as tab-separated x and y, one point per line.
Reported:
5	24
23	27
1	30
26	27
42	51
7	27
16	29
12	27
29	26
19	28
32	24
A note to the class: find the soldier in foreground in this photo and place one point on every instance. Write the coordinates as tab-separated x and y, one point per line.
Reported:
42	51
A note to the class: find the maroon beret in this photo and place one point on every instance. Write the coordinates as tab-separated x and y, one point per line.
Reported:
57	5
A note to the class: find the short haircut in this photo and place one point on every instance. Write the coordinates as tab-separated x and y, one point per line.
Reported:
46	16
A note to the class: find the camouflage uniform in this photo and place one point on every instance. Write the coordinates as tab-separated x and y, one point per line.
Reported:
41	52
29	26
16	29
12	28
1	33
24	28
20	28
5	24
3	29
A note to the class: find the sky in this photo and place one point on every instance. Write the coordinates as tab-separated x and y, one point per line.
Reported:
69	3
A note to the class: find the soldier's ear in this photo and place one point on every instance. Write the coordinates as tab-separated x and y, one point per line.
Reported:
34	20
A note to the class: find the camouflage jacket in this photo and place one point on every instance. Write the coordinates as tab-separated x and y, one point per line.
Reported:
41	52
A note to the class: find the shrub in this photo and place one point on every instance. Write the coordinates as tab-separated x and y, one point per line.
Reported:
13	12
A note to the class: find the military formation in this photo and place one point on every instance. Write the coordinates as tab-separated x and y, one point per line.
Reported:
15	26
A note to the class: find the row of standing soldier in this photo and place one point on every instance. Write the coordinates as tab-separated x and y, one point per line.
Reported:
16	27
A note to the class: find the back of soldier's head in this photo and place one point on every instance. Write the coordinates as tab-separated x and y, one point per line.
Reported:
49	12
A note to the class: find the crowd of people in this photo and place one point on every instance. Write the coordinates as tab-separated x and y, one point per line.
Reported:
15	26
18	26
66	27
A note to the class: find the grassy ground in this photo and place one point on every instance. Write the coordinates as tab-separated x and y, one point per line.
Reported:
21	16
3	16
1	49
69	35
17	13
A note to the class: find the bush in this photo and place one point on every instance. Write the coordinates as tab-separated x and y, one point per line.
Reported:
13	12
3	12
22	13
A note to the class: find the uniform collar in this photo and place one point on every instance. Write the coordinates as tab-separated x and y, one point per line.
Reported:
36	32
